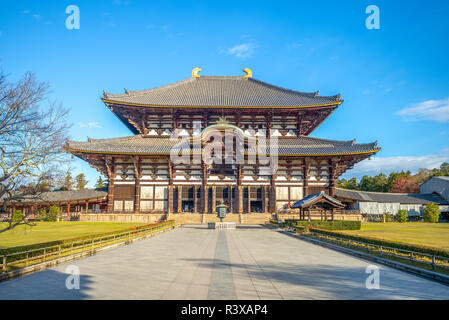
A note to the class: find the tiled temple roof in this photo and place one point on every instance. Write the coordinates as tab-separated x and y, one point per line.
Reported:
221	91
71	195
148	145
385	197
316	197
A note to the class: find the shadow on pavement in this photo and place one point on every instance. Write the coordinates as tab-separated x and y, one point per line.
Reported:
46	284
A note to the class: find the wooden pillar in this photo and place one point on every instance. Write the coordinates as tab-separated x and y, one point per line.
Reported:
306	178
137	177
240	199
214	197
68	209
87	205
230	199
332	179
273	194
195	200
137	196
206	199
109	163
111	195
204	188
179	199
249	199
266	197
170	199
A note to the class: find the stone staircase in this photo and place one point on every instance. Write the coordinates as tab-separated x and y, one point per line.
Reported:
199	218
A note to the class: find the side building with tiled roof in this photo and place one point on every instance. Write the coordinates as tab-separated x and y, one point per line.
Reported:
209	139
378	203
71	202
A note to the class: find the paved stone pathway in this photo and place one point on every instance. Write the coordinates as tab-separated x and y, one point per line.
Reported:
193	262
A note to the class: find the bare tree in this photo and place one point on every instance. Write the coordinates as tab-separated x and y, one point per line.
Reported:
32	133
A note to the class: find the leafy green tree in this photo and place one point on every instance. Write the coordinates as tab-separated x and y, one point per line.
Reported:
352	184
444	169
81	181
17	216
100	183
402	181
423	175
431	213
342	183
379	183
366	183
402	216
41	214
68	181
54	214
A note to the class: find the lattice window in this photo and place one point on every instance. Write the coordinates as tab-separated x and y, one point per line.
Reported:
129	205
124	192
161	193
118	205
281	193
146	205
146	192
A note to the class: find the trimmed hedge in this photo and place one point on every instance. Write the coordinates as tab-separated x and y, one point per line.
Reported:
386	243
326	225
70	240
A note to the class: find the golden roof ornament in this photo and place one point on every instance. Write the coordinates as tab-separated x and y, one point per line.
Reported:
195	72
222	120
249	73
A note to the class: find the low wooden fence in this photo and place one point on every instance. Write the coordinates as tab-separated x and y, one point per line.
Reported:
27	258
431	260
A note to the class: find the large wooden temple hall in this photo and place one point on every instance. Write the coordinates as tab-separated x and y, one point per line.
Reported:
143	178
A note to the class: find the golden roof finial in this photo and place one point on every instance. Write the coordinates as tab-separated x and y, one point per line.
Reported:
222	120
249	73
195	72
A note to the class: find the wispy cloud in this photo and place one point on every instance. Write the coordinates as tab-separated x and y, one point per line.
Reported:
365	92
434	110
121	2
295	45
89	125
389	164
241	51
34	15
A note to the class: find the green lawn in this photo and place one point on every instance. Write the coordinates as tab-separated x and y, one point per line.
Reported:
50	231
420	233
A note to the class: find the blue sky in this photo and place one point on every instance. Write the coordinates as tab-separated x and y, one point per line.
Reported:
395	80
